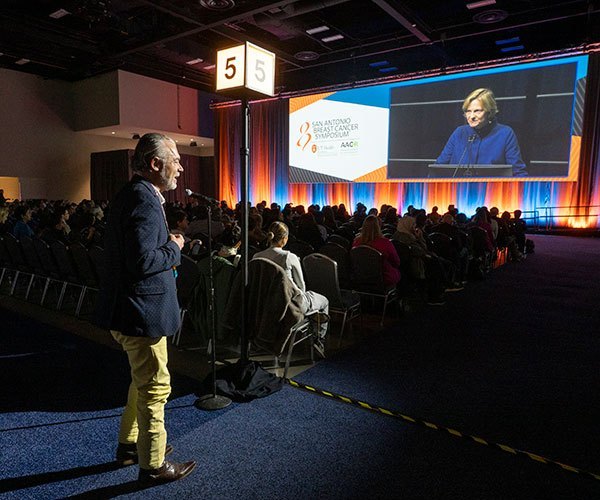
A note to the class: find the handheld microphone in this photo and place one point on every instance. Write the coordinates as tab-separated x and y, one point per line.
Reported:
200	196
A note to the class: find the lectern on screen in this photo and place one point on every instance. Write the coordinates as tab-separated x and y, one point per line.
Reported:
453	171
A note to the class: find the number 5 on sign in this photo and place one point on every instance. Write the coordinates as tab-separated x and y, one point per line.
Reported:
248	66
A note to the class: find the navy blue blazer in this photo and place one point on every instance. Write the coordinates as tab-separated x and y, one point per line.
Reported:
138	296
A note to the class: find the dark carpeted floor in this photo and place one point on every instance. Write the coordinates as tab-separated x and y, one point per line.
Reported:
512	359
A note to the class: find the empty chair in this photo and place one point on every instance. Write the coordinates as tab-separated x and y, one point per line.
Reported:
320	273
49	265
342	256
15	254
6	262
367	275
96	255
85	271
442	245
68	273
340	240
34	263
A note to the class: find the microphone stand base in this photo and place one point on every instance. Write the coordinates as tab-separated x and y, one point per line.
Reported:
212	402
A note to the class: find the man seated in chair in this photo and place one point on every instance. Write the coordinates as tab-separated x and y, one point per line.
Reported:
277	236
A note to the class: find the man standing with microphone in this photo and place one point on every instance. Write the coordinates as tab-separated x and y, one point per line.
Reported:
138	303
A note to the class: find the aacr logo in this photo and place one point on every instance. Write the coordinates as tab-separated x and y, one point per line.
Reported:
349	144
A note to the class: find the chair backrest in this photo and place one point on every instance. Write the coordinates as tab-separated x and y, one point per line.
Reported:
187	277
14	251
340	240
320	274
33	261
83	264
46	258
367	269
64	262
274	305
442	245
478	240
5	259
342	257
300	248
96	255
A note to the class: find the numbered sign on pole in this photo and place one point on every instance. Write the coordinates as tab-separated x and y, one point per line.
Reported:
260	69
246	66
231	67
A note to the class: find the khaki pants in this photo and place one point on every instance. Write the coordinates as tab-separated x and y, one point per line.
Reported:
143	420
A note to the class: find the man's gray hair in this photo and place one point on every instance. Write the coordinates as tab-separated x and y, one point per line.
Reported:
149	146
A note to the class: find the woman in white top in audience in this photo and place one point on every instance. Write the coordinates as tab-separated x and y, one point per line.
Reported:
277	236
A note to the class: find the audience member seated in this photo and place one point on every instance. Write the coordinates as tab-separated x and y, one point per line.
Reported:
481	219
308	231
371	235
23	216
520	228
459	255
4	226
277	236
200	222
55	229
424	264
256	236
434	217
230	241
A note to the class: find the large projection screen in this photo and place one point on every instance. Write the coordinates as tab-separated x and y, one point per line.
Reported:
396	132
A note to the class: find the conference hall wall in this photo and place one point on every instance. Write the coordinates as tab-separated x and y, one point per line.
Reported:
383	143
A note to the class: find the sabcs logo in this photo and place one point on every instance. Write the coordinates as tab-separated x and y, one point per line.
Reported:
305	136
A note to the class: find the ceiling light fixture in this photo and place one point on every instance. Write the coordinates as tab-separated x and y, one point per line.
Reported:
482	3
57	14
506	41
209	67
512	48
135	136
306	55
318	29
388	70
22	61
194	61
332	38
193	143
378	64
490	16
217	4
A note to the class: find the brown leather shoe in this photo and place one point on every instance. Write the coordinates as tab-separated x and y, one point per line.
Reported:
166	473
127	453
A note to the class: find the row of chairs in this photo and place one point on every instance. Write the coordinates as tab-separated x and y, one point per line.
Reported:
72	267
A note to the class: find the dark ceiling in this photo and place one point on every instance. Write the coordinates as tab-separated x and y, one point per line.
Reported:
379	38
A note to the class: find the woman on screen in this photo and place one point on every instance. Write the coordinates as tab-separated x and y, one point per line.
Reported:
483	140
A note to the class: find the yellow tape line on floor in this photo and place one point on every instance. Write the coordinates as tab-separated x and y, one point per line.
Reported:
429	425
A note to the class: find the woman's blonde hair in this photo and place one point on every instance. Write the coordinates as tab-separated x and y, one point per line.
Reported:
487	99
370	230
277	232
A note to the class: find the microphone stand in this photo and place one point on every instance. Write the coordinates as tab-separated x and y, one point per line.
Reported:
467	148
212	401
469	170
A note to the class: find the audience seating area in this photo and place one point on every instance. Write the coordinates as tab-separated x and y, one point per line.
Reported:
64	274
